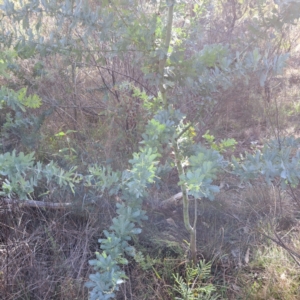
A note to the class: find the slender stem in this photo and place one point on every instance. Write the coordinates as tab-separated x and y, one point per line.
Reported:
186	217
193	243
195	213
163	90
193	246
163	61
184	131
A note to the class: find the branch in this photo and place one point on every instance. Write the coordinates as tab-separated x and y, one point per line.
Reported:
162	62
280	243
186	217
174	200
35	203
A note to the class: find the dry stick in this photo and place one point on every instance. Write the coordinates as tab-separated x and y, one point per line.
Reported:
277	124
7	252
127	76
35	203
74	97
290	251
293	194
280	243
174	200
110	71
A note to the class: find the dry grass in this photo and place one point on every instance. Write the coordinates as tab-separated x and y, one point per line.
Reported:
44	254
272	273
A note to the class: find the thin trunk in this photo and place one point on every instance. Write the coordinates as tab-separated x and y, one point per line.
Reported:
162	62
193	240
74	98
186	217
193	246
163	92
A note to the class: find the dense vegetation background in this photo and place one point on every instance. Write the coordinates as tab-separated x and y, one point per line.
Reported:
160	135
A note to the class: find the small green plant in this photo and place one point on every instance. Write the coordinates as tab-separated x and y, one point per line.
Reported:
145	262
273	275
194	286
15	122
68	153
221	146
293	109
117	241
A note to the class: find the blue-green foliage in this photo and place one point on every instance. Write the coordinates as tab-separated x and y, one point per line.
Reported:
19	172
203	164
215	55
278	159
15	122
202	170
103	284
22	174
100	24
162	128
133	183
142	172
108	274
103	179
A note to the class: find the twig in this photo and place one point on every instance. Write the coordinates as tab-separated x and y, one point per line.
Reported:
280	243
174	200
35	203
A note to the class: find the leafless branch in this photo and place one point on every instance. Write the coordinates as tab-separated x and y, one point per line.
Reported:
35	203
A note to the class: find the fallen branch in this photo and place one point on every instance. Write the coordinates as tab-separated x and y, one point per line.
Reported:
34	203
174	200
